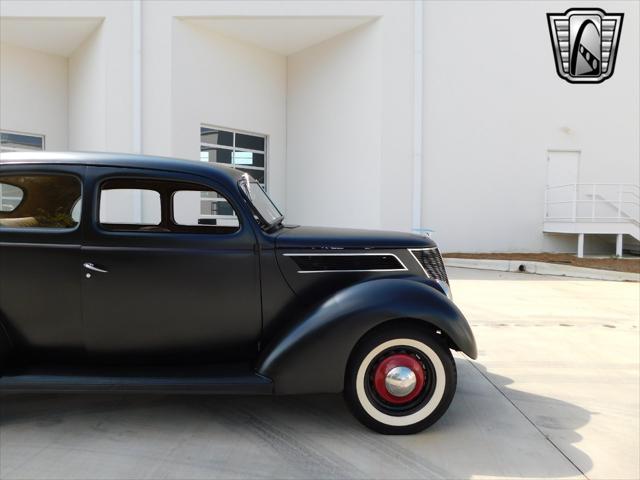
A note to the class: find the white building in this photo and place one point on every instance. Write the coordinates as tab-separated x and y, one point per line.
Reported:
400	115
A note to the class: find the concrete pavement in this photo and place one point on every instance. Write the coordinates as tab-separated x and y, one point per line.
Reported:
566	353
554	394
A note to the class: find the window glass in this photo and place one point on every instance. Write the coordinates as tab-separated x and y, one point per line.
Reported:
261	202
10	197
20	142
202	208
252	159
48	201
76	210
252	142
138	204
244	151
215	136
130	207
216	155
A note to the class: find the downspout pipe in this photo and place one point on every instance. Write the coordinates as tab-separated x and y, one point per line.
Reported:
136	97
136	94
418	89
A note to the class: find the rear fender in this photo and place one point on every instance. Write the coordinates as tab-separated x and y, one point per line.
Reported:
312	356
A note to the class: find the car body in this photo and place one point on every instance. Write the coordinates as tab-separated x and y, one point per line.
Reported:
113	278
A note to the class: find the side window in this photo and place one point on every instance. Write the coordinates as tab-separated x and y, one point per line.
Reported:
148	205
39	201
204	208
130	205
10	197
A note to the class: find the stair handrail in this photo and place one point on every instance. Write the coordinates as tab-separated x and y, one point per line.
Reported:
596	197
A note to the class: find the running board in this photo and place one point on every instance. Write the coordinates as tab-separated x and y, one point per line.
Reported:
218	380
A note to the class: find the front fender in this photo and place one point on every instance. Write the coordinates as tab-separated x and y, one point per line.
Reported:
311	357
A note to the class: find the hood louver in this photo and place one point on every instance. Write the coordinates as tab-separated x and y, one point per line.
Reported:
309	263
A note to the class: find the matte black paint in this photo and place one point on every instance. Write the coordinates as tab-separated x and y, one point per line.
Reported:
40	282
348	238
169	296
205	379
193	300
319	344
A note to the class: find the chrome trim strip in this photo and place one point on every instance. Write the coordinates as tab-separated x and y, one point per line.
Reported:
403	269
411	250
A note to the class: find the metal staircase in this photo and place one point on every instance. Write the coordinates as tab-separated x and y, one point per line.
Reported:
594	209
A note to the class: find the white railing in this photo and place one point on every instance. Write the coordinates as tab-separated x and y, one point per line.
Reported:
593	202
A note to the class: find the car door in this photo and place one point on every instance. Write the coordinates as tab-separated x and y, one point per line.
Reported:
162	281
40	259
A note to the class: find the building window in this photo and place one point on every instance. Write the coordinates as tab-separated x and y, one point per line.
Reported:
203	208
241	150
20	142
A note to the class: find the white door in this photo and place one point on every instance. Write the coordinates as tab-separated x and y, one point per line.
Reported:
562	177
562	167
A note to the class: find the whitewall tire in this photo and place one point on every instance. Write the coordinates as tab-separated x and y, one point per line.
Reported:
400	380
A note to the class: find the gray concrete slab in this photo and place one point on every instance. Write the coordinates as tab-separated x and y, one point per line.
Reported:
566	353
554	394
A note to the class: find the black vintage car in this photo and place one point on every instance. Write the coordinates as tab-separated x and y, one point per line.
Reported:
130	273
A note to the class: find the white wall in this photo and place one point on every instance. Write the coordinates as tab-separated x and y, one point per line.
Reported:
339	115
396	113
494	105
33	94
87	95
333	131
100	84
222	82
105	57
165	29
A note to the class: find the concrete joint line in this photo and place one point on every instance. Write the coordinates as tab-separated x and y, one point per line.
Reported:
546	437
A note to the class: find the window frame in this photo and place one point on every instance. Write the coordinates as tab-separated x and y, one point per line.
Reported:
22	198
26	134
167	225
46	173
126	228
264	223
14	132
122	227
181	228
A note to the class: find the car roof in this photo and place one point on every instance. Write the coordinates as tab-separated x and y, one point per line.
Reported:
122	160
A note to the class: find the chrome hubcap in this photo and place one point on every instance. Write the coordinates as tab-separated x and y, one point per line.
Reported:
400	381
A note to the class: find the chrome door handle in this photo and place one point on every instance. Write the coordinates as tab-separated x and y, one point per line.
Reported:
93	268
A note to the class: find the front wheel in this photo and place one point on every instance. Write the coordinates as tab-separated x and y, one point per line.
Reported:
400	380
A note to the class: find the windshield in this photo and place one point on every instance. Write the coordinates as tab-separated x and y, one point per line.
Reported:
263	205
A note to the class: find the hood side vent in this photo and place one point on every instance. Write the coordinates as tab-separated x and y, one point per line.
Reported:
327	262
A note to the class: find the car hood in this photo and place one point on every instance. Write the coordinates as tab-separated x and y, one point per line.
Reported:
291	237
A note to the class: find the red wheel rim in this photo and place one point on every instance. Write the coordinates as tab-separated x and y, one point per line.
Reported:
391	362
